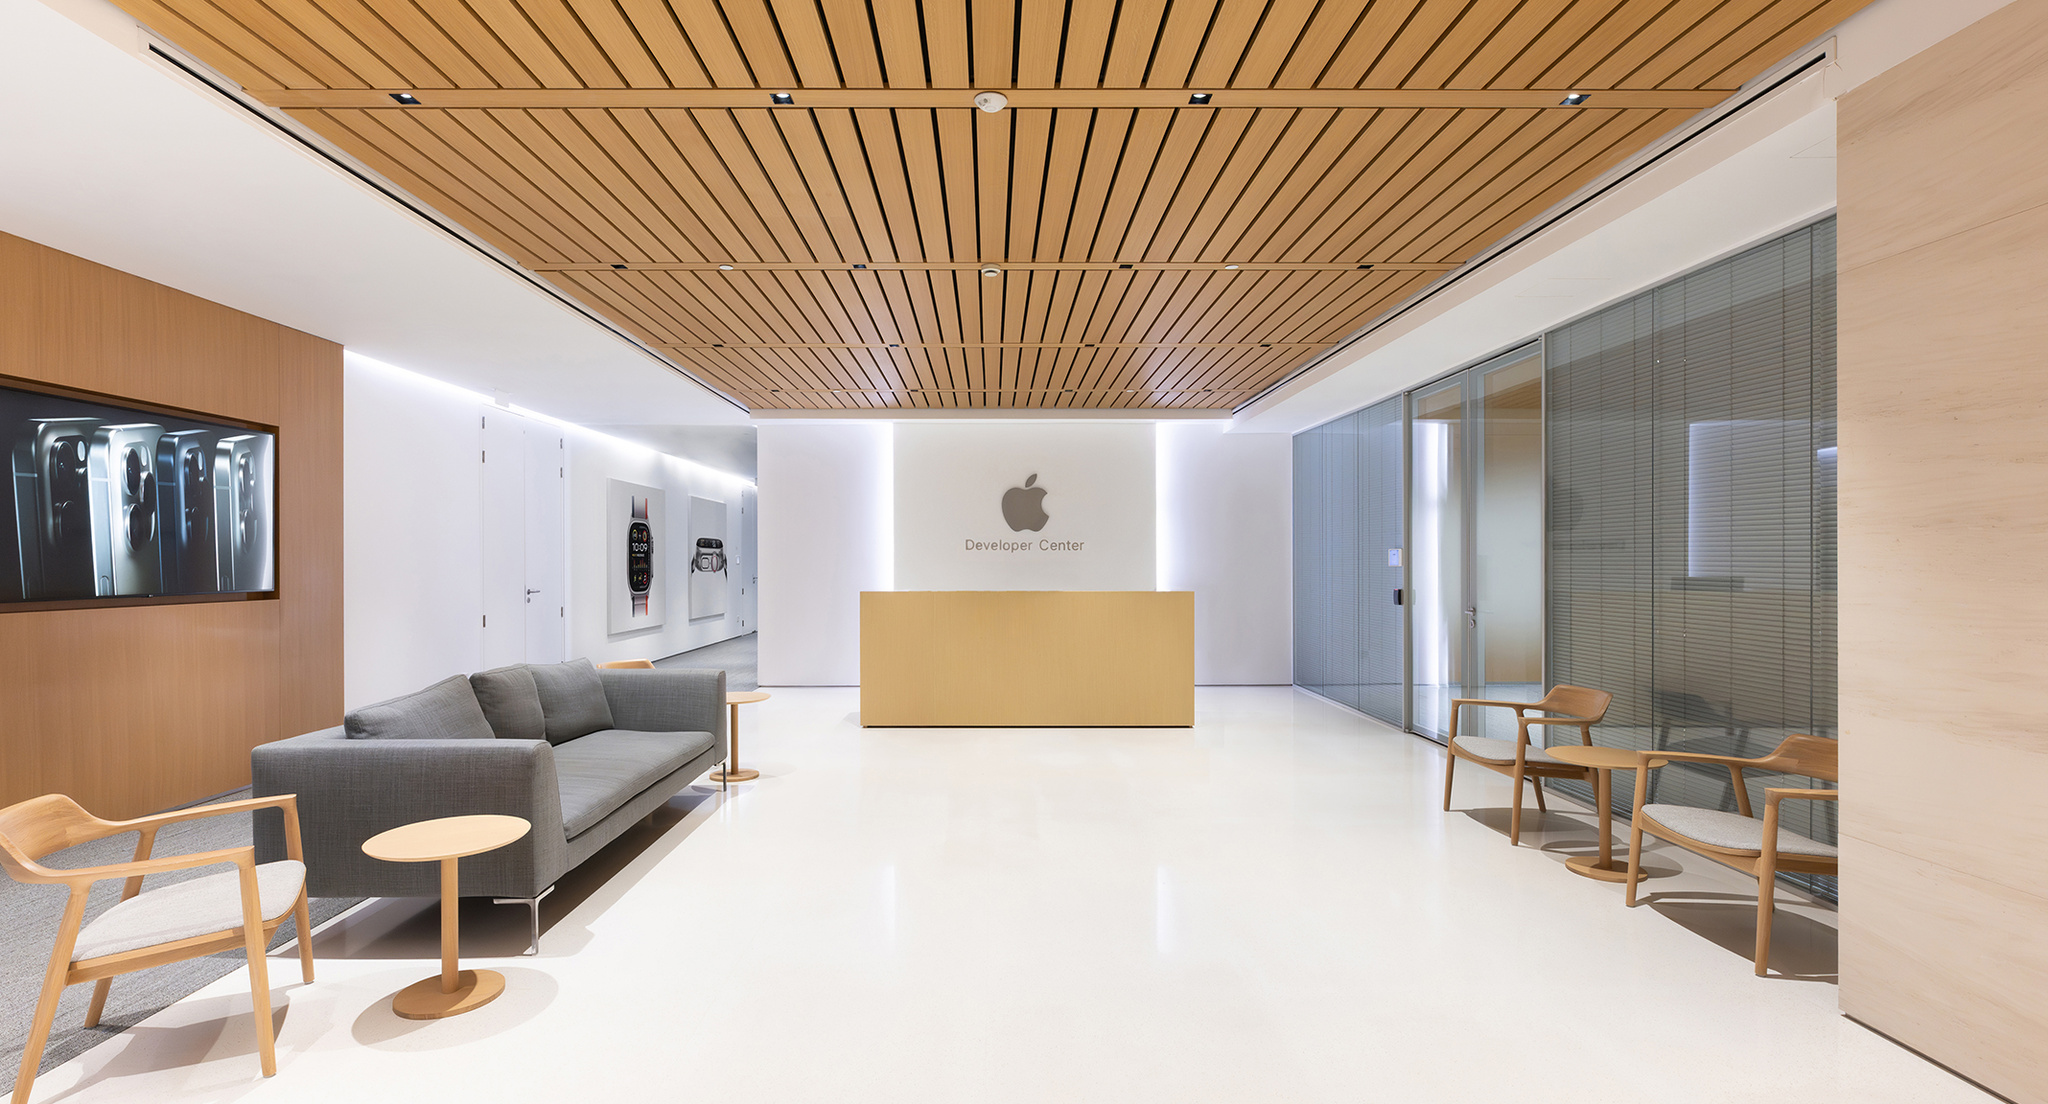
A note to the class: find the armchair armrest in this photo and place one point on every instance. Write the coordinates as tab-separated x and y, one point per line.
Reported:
1456	702
666	700
349	790
81	876
1772	794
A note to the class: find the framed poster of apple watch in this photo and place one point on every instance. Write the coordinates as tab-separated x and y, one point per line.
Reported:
1025	506
635	576
108	502
709	573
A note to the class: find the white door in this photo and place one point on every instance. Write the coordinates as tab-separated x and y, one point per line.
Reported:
525	530
743	567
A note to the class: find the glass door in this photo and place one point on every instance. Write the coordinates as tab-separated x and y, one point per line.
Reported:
1475	529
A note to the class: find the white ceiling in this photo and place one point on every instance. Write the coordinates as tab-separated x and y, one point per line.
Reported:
106	155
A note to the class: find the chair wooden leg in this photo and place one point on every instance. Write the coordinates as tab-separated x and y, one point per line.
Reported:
259	972
53	988
1766	893
1537	785
1450	764
303	917
1515	814
99	1001
1635	860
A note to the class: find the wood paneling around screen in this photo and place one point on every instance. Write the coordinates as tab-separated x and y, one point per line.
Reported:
136	708
1944	265
1040	658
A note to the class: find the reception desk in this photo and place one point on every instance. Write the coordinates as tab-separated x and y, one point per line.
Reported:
1030	658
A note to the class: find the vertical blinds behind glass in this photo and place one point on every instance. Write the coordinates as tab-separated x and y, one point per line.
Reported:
1691	445
1347	516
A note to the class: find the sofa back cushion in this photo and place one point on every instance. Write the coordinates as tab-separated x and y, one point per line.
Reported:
446	710
511	702
572	699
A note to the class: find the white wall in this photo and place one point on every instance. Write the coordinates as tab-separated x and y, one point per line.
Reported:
412	528
1095	490
827	530
826	535
1226	533
595	459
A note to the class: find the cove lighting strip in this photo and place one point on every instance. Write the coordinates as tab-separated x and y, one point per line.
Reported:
527	412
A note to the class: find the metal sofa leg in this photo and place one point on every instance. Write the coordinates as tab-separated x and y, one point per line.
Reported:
532	903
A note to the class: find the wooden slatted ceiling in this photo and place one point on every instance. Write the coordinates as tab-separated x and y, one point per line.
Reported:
827	254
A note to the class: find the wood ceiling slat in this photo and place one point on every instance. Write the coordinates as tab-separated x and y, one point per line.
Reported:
957	163
256	43
852	42
411	66
808	43
884	155
666	190
1358	139
1426	27
565	33
753	27
919	146
842	140
1320	42
655	311
1286	168
691	135
1032	136
1506	63
1409	159
1285	22
901	36
482	203
1666	53
788	213
571	133
1039	27
477	42
1093	179
1188	133
1615	44
1086	46
1471	170
503	20
433	43
1139	24
1230	32
1233	132
789	150
992	135
1180	41
654	142
1139	162
1480	25
1367	43
703	24
995	42
1470	240
505	162
1063	170
655	24
719	312
640	240
948	45
621	46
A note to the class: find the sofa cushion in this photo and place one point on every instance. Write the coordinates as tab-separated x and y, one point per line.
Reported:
446	710
603	770
571	699
511	702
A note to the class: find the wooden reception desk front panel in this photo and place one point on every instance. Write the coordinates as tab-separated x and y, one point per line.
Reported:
1058	659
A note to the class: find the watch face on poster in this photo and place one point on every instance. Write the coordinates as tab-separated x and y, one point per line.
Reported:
640	556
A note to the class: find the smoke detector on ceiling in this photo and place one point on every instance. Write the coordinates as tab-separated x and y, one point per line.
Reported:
991	102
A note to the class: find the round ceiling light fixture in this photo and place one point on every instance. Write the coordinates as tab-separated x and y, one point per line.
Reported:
991	102
991	271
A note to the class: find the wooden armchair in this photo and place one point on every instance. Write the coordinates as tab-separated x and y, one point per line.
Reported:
189	919
1517	758
1738	839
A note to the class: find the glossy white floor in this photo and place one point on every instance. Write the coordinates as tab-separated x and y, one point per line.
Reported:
1269	907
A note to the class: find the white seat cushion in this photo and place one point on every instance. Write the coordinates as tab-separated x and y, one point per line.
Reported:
201	906
1733	831
1503	751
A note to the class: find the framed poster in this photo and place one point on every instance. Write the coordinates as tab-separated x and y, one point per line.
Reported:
709	573
635	583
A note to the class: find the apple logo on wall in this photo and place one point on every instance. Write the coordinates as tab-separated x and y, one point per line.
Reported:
1024	507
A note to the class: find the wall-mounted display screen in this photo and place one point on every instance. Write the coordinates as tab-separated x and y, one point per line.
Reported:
104	501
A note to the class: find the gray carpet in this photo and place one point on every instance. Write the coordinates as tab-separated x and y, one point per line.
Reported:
738	658
29	915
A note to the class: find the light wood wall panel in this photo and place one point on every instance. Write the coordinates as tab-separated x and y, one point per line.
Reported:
1943	526
136	708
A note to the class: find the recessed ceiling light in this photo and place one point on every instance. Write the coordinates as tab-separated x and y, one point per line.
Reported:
1364	266
860	266
991	102
725	268
618	266
406	98
1230	266
1199	98
1123	266
1576	98
782	98
991	271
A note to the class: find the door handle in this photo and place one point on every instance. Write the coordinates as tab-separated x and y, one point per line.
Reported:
1472	616
529	596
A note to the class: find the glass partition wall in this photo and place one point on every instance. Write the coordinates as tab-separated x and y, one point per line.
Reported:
1641	502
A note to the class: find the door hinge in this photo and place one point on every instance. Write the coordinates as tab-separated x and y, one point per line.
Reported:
483	457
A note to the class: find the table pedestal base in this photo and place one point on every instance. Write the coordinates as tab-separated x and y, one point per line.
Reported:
1605	870
424	1000
735	774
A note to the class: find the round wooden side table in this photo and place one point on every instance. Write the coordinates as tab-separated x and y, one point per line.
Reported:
732	771
1603	761
445	841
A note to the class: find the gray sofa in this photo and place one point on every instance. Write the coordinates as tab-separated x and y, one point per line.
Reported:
581	753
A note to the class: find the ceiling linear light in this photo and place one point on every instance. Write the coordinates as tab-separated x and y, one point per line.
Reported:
725	268
406	98
1199	99
1230	268
781	99
1575	99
